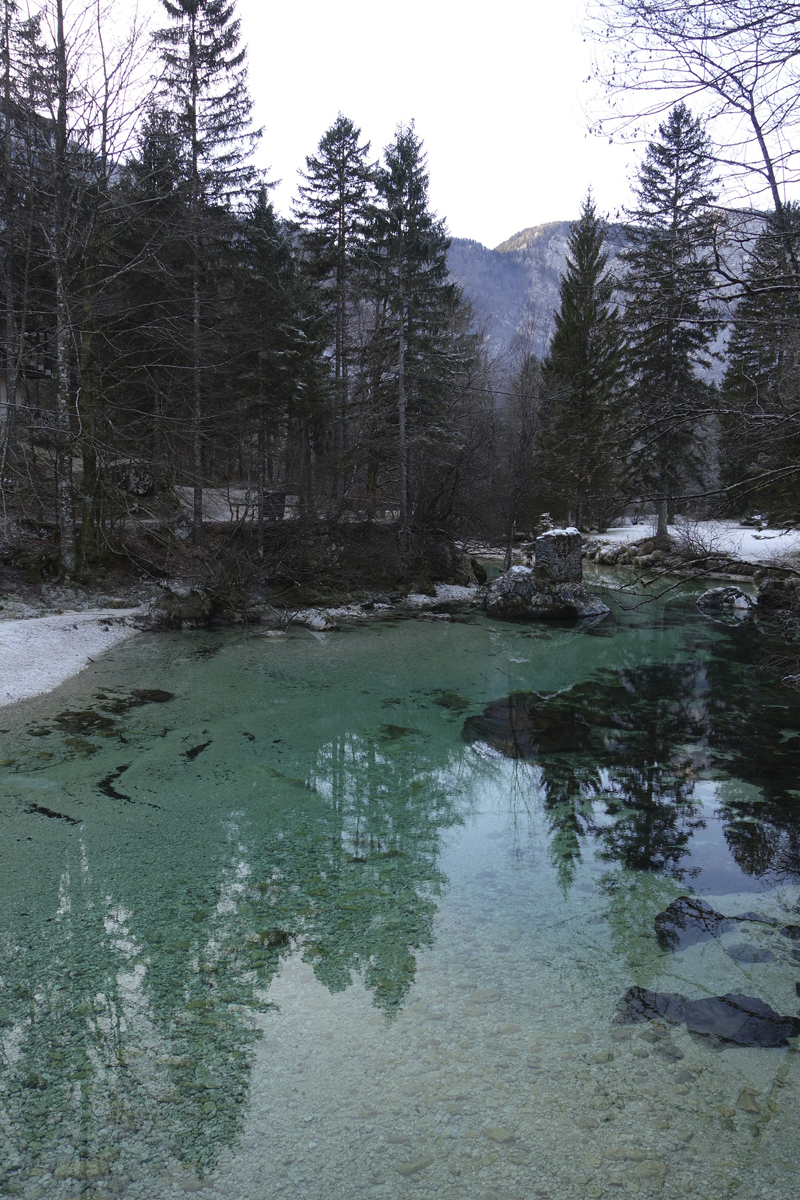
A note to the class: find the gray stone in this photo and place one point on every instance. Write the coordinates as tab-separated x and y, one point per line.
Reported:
517	594
553	587
729	600
558	557
181	605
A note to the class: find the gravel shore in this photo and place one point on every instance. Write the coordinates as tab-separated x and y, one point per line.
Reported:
38	654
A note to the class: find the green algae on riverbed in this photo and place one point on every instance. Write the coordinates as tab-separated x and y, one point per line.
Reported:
286	932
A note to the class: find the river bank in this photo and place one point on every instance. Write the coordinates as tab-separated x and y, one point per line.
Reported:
38	654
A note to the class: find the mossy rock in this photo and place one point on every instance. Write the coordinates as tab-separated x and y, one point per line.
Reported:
186	605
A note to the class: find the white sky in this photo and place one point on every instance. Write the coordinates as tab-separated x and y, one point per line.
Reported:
496	90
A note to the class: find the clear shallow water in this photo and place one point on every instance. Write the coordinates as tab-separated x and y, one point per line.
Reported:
305	934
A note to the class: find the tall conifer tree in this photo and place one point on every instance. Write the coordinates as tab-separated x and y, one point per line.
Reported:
582	370
416	299
760	443
332	210
670	317
205	76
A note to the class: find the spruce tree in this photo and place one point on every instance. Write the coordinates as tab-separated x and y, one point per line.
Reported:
415	298
582	373
670	317
331	212
760	430
205	77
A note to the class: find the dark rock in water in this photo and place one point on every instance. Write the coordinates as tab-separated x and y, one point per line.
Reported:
638	1004
191	755
478	571
731	601
791	931
152	695
518	595
82	721
778	595
522	726
393	732
687	921
137	698
745	952
743	1020
552	588
740	1020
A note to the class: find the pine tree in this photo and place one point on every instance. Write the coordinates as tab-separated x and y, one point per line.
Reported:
760	442
205	76
20	131
582	372
332	215
277	348
415	297
670	318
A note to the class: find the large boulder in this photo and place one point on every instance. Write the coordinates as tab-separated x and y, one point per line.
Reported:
558	557
553	587
778	594
184	607
728	601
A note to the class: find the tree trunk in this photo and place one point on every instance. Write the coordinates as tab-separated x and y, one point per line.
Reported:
401	407
662	530
261	481
9	442
510	547
65	515
197	416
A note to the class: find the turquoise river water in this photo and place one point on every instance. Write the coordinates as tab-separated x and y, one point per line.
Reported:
367	913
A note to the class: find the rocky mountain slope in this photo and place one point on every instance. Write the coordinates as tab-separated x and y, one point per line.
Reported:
515	287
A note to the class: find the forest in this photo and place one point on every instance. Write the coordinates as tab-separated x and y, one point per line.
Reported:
188	376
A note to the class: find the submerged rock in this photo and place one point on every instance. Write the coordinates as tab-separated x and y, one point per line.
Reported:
745	952
552	588
740	1020
639	1004
687	921
743	1020
523	726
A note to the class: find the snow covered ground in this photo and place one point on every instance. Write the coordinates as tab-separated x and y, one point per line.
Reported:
717	538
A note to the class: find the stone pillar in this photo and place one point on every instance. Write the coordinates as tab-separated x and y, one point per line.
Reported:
558	557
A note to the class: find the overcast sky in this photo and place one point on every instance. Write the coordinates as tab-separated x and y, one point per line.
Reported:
496	90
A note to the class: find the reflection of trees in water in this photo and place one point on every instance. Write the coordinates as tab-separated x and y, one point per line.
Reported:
754	734
149	961
355	874
618	758
130	1029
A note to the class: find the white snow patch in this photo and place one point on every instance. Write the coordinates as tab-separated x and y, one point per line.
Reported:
719	537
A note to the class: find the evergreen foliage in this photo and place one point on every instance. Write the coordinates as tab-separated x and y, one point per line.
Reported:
331	215
670	316
760	427
205	78
582	371
415	304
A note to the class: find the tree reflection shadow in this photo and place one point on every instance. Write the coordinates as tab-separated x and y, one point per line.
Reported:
130	986
618	758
